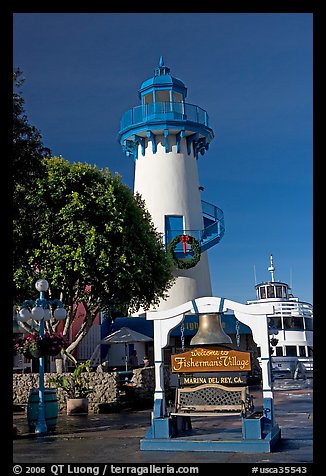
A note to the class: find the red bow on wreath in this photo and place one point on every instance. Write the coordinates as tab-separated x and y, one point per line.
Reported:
184	240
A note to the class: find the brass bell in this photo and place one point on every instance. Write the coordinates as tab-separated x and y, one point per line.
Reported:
210	331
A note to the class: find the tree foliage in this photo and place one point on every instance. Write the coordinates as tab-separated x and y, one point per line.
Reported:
27	166
28	148
84	231
96	244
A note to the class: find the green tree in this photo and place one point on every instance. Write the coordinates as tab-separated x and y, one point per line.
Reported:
96	244
28	149
27	166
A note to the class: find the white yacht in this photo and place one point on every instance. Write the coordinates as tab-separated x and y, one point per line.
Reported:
291	328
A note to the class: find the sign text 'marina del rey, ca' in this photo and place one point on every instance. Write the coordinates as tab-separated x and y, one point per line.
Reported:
211	360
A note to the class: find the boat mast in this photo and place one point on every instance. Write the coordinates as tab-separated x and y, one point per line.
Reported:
271	267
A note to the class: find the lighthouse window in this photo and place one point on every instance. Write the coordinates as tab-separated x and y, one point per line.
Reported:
294	323
148	99
178	105
177	97
163	96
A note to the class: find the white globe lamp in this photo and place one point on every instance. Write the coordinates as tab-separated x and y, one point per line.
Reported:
37	313
24	315
60	313
47	314
42	285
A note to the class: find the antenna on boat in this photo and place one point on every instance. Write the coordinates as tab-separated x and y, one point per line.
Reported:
271	268
255	274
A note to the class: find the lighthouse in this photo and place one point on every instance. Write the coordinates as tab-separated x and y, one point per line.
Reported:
166	135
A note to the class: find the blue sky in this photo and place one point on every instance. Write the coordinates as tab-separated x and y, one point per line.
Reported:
251	72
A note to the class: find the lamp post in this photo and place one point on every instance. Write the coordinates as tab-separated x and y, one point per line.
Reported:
41	311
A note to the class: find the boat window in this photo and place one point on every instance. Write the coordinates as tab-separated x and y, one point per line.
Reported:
275	322
310	351
279	351
293	323
308	323
302	351
279	291
262	293
270	291
291	350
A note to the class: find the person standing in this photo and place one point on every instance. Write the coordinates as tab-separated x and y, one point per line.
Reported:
300	369
145	361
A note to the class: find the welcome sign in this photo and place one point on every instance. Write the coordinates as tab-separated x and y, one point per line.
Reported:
211	360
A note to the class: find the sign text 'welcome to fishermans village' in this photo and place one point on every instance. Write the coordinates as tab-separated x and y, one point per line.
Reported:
211	360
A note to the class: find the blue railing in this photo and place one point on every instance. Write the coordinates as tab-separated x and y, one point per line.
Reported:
163	111
208	236
170	234
213	212
215	230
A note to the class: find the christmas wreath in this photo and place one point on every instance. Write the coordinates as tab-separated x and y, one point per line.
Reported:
189	262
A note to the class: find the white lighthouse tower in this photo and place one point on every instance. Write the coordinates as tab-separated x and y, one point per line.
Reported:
165	136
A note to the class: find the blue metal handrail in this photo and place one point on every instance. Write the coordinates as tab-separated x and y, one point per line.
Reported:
208	236
214	230
170	234
211	211
164	110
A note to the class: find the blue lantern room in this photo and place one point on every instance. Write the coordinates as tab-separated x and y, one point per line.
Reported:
163	110
162	88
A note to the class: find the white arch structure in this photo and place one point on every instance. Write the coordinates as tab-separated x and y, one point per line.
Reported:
254	316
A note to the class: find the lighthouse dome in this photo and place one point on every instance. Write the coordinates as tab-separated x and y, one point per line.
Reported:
162	79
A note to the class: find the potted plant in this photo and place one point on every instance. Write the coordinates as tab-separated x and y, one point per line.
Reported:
75	386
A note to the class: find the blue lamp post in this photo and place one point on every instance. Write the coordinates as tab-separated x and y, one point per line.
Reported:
41	311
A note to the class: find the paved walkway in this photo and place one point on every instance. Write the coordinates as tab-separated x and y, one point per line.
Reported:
114	438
